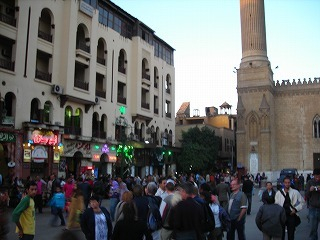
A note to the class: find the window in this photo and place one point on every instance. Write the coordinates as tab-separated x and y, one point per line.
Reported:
316	127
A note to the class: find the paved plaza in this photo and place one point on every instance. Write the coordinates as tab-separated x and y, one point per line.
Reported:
45	232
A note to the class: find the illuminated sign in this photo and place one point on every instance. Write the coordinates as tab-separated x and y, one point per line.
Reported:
39	154
26	155
49	138
96	158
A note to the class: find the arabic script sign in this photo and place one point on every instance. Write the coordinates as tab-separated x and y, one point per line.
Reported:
7	137
70	148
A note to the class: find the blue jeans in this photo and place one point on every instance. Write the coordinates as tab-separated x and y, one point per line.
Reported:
239	227
314	217
113	205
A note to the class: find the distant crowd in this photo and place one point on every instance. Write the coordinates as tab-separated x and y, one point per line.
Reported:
194	206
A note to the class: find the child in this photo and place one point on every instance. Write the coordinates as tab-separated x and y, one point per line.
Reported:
57	204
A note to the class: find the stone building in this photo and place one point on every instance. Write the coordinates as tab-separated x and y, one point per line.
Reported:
277	121
223	124
79	78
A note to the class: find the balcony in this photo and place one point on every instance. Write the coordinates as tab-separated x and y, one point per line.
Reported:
122	69
83	46
168	90
98	134
101	61
156	110
100	93
145	105
72	130
7	64
122	100
81	84
43	76
146	76
168	115
8	20
45	36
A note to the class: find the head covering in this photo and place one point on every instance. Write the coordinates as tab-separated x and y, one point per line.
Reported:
170	181
316	171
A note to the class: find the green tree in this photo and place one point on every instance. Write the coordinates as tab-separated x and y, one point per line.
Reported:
199	149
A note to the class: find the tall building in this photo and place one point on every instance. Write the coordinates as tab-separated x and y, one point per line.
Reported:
277	122
78	79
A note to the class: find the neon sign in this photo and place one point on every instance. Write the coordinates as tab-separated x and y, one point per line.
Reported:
50	139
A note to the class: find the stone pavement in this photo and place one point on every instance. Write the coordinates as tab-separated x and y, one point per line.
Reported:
45	232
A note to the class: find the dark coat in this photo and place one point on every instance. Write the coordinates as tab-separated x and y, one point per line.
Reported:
265	195
270	219
88	223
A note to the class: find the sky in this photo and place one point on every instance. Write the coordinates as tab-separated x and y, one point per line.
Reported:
206	36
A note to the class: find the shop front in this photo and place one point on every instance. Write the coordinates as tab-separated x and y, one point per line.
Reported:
41	153
104	156
76	154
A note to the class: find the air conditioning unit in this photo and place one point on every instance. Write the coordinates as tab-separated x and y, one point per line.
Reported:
97	100
57	89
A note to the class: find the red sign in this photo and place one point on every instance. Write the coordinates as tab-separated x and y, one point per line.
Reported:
45	140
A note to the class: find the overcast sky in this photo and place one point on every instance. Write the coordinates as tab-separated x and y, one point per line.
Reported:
206	36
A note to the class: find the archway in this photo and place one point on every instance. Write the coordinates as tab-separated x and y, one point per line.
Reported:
73	164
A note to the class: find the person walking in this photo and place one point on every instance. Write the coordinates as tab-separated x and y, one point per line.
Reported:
268	193
130	227
292	202
313	195
247	189
38	198
114	195
126	197
4	221
187	216
96	221
76	209
24	214
57	204
237	211
161	192
223	191
270	220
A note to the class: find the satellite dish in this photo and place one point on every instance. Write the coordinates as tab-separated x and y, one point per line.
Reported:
11	164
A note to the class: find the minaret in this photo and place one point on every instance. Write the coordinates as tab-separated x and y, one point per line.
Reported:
253	32
255	109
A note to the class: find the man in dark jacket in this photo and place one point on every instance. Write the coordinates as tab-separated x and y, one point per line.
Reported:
96	217
247	188
187	215
270	219
268	193
313	196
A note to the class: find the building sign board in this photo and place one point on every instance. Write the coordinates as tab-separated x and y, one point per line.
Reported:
7	137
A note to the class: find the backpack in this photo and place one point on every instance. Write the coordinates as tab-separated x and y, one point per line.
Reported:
224	219
154	220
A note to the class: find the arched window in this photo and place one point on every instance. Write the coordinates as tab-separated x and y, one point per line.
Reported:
68	117
47	112
34	113
316	126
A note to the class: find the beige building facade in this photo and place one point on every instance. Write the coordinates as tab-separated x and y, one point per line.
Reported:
277	121
66	68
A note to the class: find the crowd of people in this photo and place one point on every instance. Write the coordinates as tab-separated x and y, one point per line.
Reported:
191	207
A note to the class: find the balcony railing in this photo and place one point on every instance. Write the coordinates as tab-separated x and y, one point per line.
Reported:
101	61
145	105
81	84
7	19
168	115
98	134
122	69
101	93
156	111
45	36
6	64
74	130
83	46
43	76
168	90
146	76
122	100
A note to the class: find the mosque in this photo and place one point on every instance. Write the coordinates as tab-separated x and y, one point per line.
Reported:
278	122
